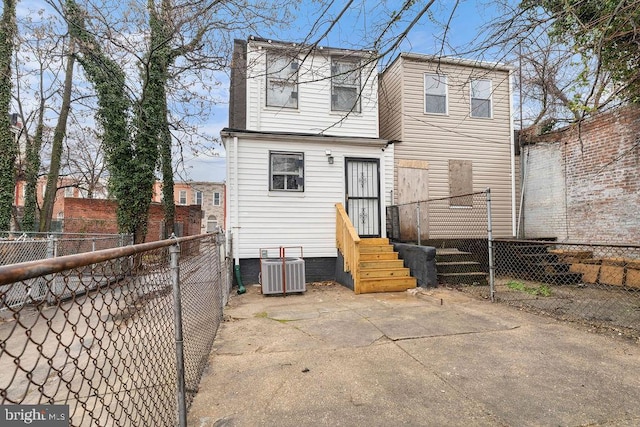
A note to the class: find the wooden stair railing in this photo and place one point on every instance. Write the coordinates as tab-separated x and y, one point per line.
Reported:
348	242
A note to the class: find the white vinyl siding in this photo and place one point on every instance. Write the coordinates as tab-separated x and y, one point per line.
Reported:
435	94
278	218
481	98
437	139
313	113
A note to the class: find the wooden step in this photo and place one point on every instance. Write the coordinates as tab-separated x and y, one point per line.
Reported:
395	263
384	272
374	241
390	284
378	256
367	249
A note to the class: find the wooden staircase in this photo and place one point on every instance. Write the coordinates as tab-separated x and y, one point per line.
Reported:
372	264
380	269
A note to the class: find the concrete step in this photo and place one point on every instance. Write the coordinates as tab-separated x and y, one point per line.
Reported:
384	272
453	255
474	278
391	284
458	267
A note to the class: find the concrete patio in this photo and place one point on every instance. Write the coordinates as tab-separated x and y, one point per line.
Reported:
421	358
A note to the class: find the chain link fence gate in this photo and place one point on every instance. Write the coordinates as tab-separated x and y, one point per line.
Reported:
458	227
105	342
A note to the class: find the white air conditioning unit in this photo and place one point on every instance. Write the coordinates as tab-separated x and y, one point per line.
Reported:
272	269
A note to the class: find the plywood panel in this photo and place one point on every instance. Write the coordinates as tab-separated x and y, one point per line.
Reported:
413	186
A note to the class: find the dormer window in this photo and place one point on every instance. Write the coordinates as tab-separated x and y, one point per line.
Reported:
282	81
345	85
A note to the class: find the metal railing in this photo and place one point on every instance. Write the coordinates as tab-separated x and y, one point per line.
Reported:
122	336
31	246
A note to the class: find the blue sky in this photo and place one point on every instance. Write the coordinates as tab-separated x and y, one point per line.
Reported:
355	30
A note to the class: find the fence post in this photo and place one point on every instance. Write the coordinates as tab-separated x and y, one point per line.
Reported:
418	221
490	243
174	254
51	278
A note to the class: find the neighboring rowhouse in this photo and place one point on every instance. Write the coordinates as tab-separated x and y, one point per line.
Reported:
302	136
453	120
210	196
582	182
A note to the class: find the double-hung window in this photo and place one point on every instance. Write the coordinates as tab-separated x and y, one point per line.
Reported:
345	85
182	197
286	171
481	98
198	197
435	94
282	81
216	199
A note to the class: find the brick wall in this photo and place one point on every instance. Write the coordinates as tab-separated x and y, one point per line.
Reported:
99	216
544	203
601	174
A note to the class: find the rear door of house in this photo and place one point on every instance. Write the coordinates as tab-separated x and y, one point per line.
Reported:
363	195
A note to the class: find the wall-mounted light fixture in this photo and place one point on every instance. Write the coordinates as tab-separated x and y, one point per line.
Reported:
329	156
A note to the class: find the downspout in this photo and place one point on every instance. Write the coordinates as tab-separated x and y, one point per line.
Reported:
236	219
513	158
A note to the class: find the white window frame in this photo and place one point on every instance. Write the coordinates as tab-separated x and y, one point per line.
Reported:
182	197
197	197
481	94
212	224
346	74
434	86
282	75
292	181
68	191
216	199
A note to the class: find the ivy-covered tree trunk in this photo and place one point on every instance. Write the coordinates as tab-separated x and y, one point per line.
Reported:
160	36
56	148
8	147
167	180
32	152
108	79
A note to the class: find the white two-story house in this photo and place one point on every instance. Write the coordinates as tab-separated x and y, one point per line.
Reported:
302	136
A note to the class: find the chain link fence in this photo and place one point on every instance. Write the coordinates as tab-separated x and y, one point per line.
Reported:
596	284
590	283
456	226
122	335
31	246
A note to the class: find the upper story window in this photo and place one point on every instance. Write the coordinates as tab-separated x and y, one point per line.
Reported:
216	199
68	192
481	98
182	197
286	171
282	81
345	85
197	195
435	94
